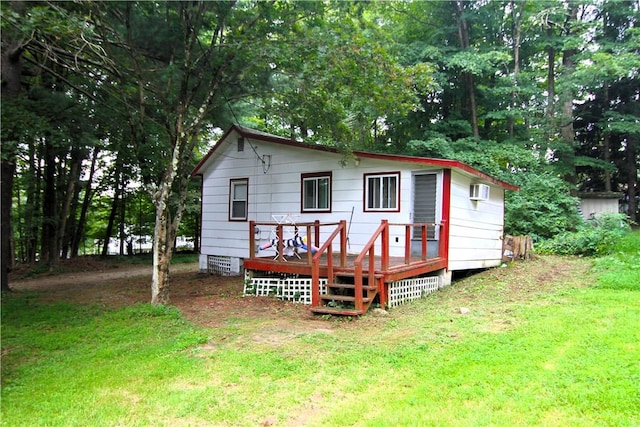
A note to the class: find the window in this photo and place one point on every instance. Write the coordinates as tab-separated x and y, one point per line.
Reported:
238	199
316	192
382	192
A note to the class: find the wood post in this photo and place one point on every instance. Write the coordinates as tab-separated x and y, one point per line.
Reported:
517	247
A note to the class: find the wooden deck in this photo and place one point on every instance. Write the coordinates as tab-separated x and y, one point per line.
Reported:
398	268
354	280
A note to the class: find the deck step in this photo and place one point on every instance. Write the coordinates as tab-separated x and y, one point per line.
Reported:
345	298
351	273
350	286
336	311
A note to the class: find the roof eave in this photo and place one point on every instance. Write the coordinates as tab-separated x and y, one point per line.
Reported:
445	163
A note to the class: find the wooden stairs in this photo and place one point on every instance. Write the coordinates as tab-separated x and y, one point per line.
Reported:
341	300
352	289
353	285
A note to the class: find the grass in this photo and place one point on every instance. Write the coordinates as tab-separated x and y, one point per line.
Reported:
553	342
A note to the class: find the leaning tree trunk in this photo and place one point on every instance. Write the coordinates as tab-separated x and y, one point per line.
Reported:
114	209
72	181
166	226
88	194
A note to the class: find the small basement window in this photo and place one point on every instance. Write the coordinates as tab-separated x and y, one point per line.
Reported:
479	192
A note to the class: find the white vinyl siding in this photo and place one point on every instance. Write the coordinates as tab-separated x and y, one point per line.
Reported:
475	227
276	188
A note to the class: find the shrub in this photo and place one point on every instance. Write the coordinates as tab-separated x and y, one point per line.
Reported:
543	208
596	237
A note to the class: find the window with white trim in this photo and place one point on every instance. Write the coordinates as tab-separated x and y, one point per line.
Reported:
382	192
238	199
316	192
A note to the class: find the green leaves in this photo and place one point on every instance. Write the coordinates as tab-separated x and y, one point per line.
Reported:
543	208
478	64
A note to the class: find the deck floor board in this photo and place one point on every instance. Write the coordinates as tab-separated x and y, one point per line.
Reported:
397	269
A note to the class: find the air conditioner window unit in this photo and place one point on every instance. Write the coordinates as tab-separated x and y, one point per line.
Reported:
479	192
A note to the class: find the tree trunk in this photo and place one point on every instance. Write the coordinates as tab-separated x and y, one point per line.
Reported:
72	179
72	224
551	83
632	177
33	190
165	227
88	193
11	69
49	246
121	231
517	248
517	12
162	247
114	206
463	36
566	122
7	173
606	144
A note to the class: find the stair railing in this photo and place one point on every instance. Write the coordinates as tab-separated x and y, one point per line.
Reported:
370	251
341	230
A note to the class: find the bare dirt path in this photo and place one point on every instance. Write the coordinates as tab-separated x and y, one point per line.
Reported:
208	300
95	277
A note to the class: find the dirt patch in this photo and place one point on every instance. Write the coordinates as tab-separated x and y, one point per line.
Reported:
213	300
206	299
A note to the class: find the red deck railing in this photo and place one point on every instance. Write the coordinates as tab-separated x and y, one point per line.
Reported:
368	253
327	247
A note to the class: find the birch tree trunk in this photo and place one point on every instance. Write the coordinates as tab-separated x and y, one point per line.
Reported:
162	248
166	225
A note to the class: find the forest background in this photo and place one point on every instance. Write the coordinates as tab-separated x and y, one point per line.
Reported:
107	106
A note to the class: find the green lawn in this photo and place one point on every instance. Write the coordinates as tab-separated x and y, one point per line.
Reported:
551	342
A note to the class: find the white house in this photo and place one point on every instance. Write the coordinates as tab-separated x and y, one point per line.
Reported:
251	176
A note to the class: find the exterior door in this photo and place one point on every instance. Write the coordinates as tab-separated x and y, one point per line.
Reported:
424	210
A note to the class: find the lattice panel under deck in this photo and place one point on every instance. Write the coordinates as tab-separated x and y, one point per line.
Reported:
288	289
411	289
224	265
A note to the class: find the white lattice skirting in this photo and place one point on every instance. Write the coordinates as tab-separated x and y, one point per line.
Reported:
299	289
407	290
288	288
224	265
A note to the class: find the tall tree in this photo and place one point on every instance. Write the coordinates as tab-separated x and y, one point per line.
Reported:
13	45
174	59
